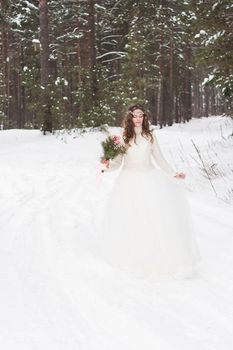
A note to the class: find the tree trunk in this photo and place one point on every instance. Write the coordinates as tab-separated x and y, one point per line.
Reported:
45	65
171	84
187	101
160	115
206	99
91	20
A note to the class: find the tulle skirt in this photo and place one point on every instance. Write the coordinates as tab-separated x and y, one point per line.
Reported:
147	227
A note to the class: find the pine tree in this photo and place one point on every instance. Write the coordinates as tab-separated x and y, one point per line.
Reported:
98	57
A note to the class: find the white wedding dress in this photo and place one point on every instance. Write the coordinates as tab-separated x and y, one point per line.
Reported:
147	227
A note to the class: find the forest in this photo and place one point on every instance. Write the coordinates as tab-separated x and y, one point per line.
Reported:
127	246
81	63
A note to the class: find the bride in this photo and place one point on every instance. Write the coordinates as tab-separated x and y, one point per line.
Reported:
147	227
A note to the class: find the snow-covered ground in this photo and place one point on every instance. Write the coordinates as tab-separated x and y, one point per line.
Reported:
56	294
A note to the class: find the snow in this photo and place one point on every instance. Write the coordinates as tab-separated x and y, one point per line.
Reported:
215	5
56	294
30	5
61	80
208	79
18	19
201	32
212	39
99	7
120	53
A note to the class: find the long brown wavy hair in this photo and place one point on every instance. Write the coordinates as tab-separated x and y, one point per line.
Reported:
128	125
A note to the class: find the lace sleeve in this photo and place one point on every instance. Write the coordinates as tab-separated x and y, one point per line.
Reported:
159	159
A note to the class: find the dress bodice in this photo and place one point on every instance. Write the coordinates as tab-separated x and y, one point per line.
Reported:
138	154
141	155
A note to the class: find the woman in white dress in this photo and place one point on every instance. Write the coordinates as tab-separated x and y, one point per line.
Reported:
147	226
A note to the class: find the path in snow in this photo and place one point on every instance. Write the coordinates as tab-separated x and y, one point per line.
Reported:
54	292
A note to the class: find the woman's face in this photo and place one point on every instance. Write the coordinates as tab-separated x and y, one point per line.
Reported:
137	117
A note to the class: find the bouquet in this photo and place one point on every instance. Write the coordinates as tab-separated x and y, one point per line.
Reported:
112	147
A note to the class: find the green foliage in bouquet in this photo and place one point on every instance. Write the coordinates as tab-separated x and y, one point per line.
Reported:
112	147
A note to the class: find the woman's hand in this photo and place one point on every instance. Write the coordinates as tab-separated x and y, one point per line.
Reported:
180	176
105	164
